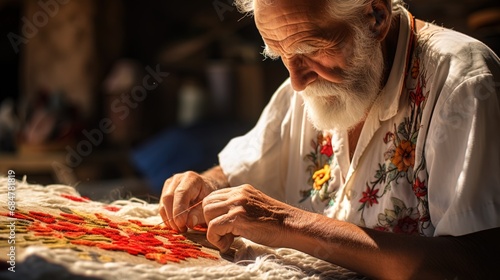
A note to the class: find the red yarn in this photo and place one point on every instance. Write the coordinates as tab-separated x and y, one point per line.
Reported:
76	198
74	234
84	242
132	236
44	217
73	218
202	228
63	227
162	258
17	216
102	217
112	208
38	227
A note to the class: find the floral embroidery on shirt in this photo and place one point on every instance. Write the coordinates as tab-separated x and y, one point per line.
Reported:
320	177
419	188
369	196
401	219
399	168
404	156
319	168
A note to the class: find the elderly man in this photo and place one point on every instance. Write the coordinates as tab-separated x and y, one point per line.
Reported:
380	153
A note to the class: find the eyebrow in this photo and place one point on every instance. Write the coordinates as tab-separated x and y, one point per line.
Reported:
269	53
302	48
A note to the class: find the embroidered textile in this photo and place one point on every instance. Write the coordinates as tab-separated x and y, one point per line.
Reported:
59	233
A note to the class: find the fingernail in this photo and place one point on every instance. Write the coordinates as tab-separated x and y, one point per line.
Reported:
194	220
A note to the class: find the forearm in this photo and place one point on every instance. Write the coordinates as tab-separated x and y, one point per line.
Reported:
338	242
247	212
217	177
387	255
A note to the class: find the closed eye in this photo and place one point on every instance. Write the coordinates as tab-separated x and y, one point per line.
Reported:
307	51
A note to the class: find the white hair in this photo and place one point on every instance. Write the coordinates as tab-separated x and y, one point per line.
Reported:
342	105
339	8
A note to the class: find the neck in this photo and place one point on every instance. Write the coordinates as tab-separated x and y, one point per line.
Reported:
389	46
353	138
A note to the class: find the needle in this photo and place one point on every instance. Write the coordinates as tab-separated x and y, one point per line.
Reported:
182	212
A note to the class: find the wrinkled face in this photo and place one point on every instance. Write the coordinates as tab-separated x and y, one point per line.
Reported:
336	67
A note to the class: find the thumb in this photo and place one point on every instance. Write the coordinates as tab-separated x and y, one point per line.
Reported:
195	217
219	237
224	243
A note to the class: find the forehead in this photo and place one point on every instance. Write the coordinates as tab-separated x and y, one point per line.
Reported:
288	22
272	6
272	14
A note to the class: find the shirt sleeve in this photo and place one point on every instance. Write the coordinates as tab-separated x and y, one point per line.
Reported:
255	158
463	154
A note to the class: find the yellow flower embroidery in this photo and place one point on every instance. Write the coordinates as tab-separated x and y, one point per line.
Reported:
321	176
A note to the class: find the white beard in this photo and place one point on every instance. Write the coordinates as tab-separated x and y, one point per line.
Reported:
342	106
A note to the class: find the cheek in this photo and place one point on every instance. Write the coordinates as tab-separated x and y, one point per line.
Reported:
286	63
331	70
336	59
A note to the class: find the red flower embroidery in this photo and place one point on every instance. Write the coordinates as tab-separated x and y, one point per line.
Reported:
417	95
326	145
327	150
381	228
406	225
369	196
388	137
419	188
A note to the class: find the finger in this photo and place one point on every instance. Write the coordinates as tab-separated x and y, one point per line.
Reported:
215	208
219	232
167	201
195	217
223	195
224	191
163	215
179	212
184	197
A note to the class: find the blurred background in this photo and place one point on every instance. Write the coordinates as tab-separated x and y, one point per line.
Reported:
115	96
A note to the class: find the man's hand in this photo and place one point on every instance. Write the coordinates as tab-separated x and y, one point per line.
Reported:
184	190
244	211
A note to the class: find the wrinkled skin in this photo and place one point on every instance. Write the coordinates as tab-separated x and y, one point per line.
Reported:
180	192
244	211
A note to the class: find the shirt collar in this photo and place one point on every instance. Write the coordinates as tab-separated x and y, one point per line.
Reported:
390	94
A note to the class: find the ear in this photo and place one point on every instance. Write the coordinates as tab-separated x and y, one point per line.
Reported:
379	14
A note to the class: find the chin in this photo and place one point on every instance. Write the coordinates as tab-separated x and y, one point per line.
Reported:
332	113
330	106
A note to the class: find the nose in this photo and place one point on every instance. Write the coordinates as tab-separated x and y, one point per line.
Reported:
301	74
